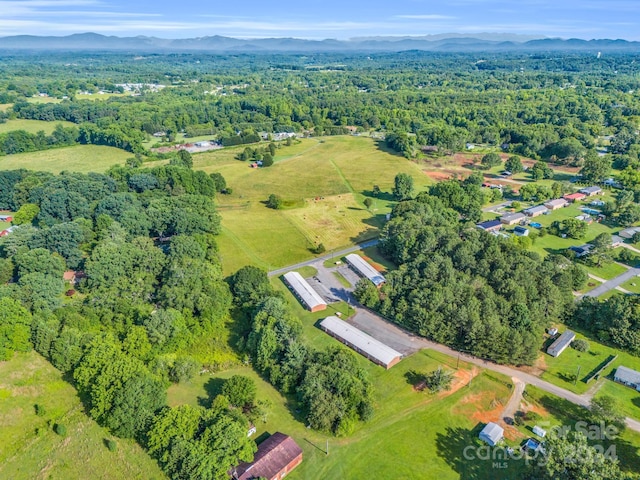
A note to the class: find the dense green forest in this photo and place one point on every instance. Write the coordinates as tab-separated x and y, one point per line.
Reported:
466	288
549	107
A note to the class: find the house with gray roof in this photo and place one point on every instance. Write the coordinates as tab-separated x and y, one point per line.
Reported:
536	211
627	377
492	433
591	191
561	343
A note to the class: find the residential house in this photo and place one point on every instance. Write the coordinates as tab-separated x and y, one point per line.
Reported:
582	250
490	225
521	231
513	218
556	204
561	343
574	197
536	211
628	377
492	433
591	191
629	232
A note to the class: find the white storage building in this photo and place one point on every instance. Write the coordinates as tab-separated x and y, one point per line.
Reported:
305	293
364	269
361	342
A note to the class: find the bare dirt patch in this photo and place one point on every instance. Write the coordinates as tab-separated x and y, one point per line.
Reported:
461	378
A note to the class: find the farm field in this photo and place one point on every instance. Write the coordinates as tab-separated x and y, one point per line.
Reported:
32	126
323	183
28	379
79	158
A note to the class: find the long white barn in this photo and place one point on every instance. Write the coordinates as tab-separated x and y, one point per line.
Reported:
305	293
361	342
365	270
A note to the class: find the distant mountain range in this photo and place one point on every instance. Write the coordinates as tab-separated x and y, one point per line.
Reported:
482	42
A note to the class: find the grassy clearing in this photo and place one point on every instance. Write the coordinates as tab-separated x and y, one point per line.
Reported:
79	158
43	100
632	285
628	398
323	181
32	126
560	370
608	271
5	106
591	284
343	281
307	271
28	379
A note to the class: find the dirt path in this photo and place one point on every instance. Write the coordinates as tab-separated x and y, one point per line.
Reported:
512	406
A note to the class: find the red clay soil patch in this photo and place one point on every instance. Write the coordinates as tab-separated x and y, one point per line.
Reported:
537	368
477	402
441	175
512	433
461	378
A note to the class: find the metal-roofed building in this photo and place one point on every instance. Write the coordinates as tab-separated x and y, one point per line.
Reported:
275	458
305	293
490	225
556	204
492	433
361	342
364	269
591	191
628	377
561	343
513	218
535	211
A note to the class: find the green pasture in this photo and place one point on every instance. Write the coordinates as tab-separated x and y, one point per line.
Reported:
627	397
32	126
29	449
79	158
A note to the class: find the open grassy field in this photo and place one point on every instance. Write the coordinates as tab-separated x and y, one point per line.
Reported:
32	126
43	100
29	449
628	398
79	158
323	183
5	106
632	285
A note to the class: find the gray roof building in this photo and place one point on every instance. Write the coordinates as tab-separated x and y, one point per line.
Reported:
628	377
361	342
561	343
629	232
307	295
535	211
513	218
364	269
492	433
490	225
589	191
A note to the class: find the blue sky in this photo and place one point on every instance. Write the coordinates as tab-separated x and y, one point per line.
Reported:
322	18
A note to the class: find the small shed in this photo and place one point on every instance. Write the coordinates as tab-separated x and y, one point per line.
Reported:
513	218
490	226
539	431
556	204
591	191
561	343
536	211
492	433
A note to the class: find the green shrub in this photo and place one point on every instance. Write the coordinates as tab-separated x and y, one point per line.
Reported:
60	429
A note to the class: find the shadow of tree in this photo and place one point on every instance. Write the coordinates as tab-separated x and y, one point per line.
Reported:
459	448
213	387
414	378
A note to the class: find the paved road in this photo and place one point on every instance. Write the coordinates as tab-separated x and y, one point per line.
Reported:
493	208
385	331
611	284
332	254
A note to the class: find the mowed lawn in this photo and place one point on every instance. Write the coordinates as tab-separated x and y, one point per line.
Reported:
323	182
28	379
79	158
32	126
